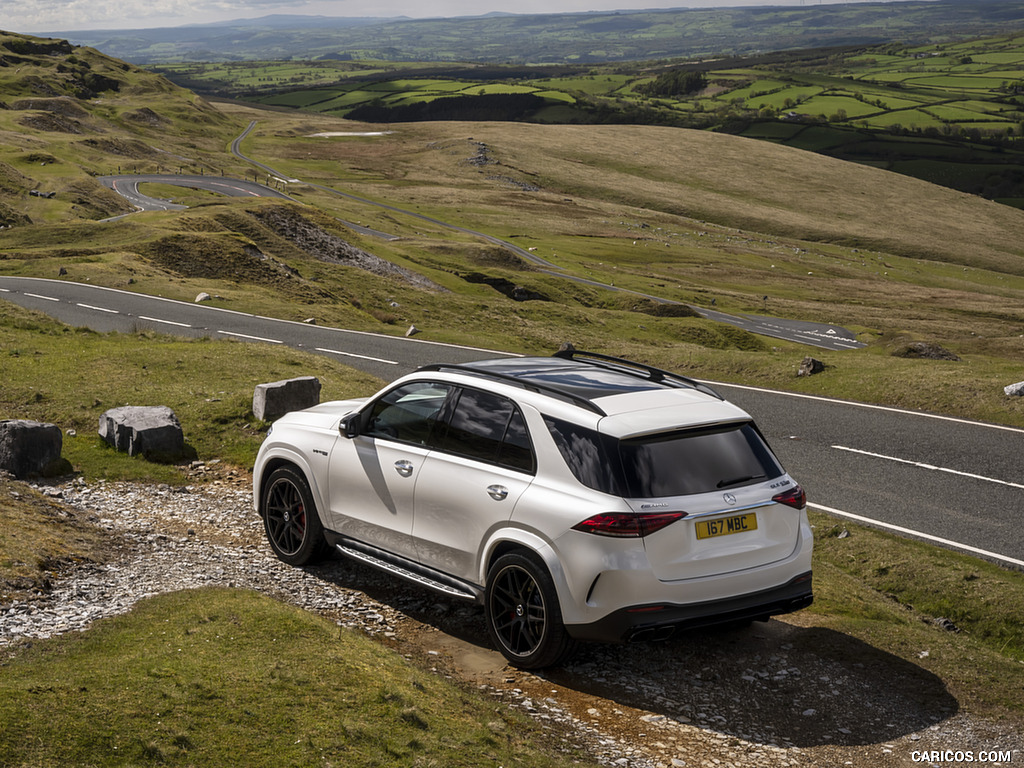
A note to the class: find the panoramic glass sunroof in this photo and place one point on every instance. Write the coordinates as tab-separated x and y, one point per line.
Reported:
587	380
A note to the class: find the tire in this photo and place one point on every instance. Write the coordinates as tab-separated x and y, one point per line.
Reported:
524	619
290	518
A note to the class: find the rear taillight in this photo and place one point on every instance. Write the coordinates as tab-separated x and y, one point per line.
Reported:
627	524
794	497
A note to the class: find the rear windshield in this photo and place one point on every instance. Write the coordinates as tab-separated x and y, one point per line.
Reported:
670	464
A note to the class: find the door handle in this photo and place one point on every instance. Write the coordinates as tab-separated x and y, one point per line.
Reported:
497	492
404	467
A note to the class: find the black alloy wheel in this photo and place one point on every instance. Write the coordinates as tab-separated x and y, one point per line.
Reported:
290	518
523	616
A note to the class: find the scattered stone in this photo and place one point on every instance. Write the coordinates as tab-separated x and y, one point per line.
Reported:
413	330
30	448
1015	390
809	366
143	430
204	296
273	400
310	321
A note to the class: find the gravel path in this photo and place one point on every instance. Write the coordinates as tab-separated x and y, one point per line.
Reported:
774	694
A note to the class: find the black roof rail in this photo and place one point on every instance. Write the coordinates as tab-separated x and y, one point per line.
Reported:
533	386
633	368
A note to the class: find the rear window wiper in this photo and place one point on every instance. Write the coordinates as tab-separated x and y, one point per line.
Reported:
738	480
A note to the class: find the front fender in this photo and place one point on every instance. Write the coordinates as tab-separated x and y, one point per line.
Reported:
272	456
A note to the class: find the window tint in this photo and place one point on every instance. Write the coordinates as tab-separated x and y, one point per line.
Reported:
697	461
407	413
588	454
673	464
516	451
488	428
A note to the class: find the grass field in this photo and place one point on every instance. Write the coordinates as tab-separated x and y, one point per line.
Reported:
965	95
202	678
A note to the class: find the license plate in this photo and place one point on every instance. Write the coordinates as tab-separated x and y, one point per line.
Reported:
723	526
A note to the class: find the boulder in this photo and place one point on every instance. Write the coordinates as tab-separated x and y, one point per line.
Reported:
152	431
272	401
29	448
1015	390
809	366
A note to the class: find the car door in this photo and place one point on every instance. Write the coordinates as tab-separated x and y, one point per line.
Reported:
471	482
373	476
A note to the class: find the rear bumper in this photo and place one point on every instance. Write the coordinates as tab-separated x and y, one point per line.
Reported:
659	620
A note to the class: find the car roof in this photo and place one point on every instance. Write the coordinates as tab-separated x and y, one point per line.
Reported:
637	399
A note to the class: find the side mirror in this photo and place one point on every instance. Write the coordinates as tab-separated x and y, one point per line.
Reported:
349	425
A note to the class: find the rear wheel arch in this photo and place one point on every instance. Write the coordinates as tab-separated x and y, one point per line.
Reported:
523	611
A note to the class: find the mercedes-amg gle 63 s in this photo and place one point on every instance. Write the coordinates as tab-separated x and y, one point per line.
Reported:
575	497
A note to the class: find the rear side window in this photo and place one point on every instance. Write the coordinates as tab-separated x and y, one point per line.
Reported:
490	428
589	455
697	461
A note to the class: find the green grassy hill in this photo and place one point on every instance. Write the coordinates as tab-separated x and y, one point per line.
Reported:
70	114
685	215
565	38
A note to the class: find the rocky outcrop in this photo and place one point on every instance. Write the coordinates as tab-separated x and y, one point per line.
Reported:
924	350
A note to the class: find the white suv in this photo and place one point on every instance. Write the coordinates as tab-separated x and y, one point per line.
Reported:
576	497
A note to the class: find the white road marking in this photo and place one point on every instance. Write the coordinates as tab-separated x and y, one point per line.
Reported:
4	290
922	465
253	338
361	357
165	322
835	401
918	534
98	309
40	296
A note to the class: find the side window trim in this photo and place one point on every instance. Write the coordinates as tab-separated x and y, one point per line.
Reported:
499	459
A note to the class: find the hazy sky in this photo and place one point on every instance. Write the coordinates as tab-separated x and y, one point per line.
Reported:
34	16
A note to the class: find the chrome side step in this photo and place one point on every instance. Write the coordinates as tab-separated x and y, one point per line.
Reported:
435	581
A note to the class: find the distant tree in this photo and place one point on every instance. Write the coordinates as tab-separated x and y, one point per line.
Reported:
675	82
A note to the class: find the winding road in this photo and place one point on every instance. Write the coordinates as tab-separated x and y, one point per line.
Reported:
953	482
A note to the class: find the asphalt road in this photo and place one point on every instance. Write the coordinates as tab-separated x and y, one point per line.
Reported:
128	188
958	482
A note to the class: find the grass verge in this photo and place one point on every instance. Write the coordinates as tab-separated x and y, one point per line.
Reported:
70	376
214	677
955	615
